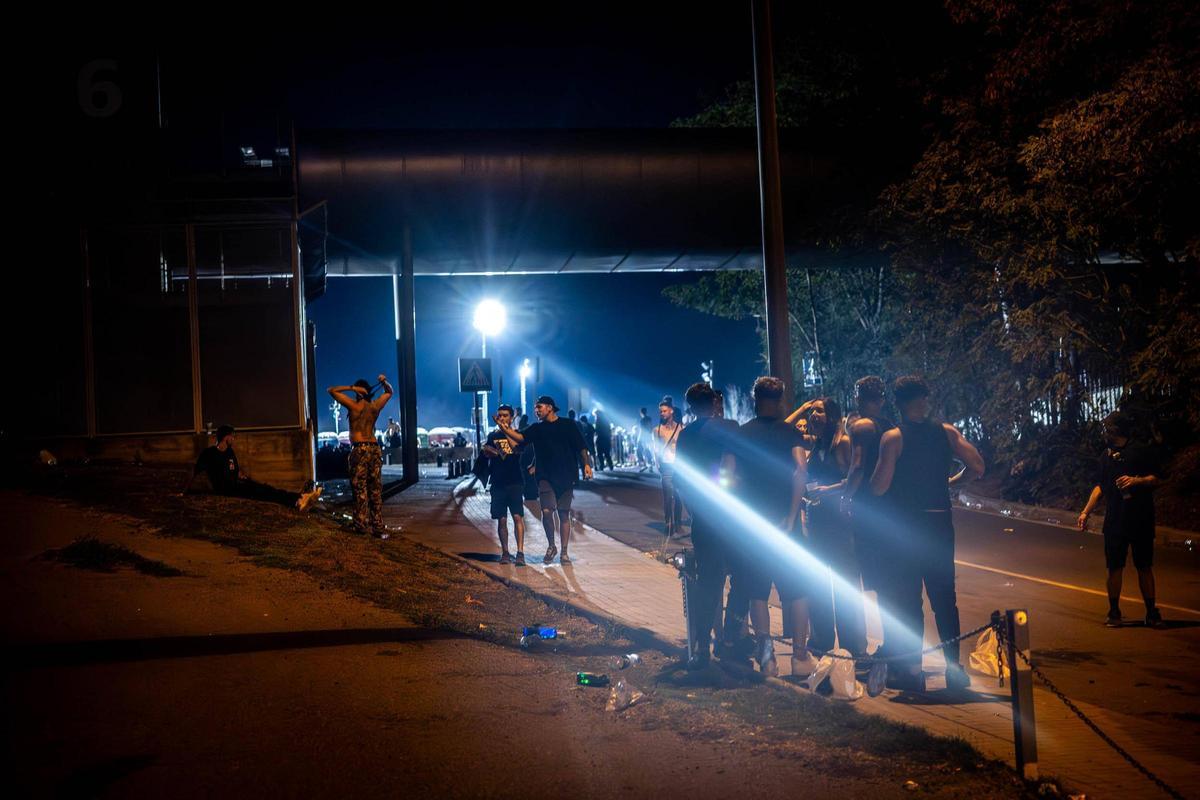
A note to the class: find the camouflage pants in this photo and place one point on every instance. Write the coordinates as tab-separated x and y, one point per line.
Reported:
366	461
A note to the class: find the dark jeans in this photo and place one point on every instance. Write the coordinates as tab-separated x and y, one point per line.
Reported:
672	507
604	453
253	490
921	553
711	570
836	602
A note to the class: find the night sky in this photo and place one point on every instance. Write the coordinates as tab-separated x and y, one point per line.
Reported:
615	335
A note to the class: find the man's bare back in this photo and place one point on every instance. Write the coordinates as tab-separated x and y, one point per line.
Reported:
362	420
363	413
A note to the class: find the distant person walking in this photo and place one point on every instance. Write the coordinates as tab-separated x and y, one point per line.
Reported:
644	427
1128	474
558	448
589	439
913	476
506	485
366	456
604	441
664	438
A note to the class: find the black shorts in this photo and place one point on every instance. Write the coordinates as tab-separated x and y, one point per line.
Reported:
508	500
1117	545
756	576
551	499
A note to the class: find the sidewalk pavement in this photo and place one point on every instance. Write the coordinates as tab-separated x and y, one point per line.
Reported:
613	581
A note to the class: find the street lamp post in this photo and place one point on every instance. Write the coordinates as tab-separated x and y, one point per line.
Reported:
490	319
526	371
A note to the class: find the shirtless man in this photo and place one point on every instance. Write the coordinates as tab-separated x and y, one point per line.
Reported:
366	456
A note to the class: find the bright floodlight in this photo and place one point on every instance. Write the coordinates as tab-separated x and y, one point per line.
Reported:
526	370
489	317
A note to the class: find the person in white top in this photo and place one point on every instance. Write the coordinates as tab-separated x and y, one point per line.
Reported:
665	437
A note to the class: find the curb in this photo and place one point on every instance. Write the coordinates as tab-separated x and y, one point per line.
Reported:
1057	517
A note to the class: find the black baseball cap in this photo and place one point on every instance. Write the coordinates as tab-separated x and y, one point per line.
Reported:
547	400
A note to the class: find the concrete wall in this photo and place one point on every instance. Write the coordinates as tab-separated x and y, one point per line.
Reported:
282	458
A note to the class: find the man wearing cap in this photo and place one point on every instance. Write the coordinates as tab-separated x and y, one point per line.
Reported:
220	464
366	456
1129	473
559	448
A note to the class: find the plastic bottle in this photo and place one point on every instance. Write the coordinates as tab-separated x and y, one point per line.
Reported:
625	661
591	679
540	631
622	696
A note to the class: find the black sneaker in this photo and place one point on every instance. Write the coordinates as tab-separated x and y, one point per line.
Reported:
520	562
1154	619
1113	620
877	678
957	677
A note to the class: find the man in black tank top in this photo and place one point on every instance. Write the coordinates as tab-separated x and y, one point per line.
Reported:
912	478
865	433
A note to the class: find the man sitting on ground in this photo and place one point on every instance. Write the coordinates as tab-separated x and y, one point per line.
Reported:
220	464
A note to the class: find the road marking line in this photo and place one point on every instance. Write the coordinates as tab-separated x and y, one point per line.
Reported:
1068	586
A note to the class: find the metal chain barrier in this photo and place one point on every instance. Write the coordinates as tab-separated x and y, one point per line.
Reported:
903	656
1095	728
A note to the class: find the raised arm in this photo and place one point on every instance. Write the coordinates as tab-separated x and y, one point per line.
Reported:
339	393
890	447
514	435
383	399
798	413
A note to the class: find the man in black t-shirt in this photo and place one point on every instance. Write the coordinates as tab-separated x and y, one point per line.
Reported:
769	468
559	447
506	483
220	464
699	454
1127	477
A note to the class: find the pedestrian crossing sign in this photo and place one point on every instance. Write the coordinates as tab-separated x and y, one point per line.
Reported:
474	374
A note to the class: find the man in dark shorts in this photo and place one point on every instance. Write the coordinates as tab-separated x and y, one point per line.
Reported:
220	464
1128	475
912	480
700	452
559	448
506	483
769	468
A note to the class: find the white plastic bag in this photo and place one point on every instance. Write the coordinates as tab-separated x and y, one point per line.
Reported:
845	685
818	675
983	658
840	672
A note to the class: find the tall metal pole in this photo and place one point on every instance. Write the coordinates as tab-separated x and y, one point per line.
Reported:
779	344
483	400
406	352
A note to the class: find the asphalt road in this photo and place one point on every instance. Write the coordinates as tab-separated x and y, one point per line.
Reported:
1055	573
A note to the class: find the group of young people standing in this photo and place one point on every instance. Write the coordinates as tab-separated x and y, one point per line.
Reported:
822	507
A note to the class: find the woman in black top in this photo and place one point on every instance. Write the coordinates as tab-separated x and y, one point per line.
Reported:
836	602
